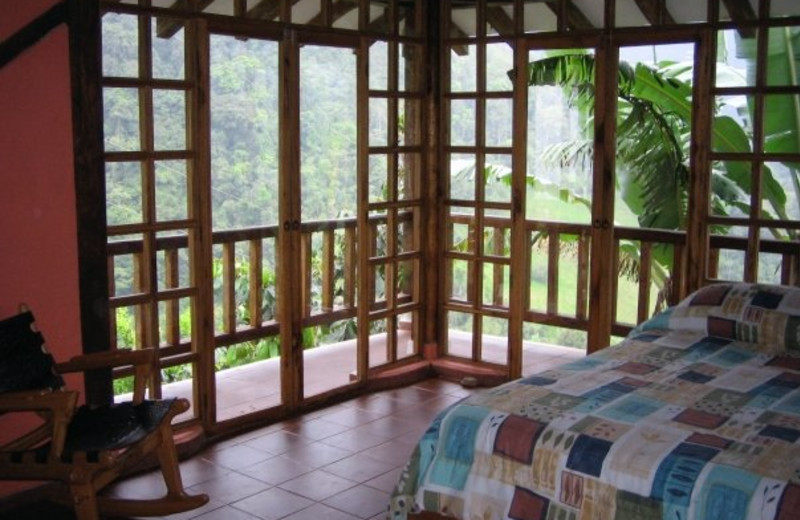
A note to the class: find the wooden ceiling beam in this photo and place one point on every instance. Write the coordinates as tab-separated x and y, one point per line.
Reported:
656	12
498	18
741	13
168	27
337	11
575	19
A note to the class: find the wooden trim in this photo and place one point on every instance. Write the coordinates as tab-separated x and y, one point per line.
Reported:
35	31
90	189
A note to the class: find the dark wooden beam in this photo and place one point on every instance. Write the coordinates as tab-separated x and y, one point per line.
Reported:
575	19
741	13
499	19
27	37
656	12
169	27
337	11
90	189
266	10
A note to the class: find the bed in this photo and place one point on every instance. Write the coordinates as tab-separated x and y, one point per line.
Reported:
695	415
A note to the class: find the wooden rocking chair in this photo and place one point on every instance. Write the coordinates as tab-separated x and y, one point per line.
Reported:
85	447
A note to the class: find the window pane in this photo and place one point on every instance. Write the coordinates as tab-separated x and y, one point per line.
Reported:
123	193
463	69
169	119
168	48
171	190
121	119
781	113
120	45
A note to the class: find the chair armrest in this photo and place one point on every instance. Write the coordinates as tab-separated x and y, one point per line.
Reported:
142	360
59	406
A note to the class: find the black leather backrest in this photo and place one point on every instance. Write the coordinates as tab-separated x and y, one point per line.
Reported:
24	363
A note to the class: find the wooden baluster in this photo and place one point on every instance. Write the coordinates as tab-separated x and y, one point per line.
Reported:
498	278
645	261
305	273
350	263
582	296
229	287
172	330
256	293
112	291
713	263
139	283
328	269
553	254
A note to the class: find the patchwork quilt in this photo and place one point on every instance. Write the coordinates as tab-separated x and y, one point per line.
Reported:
696	415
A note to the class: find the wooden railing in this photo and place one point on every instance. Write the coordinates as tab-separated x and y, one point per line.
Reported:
318	292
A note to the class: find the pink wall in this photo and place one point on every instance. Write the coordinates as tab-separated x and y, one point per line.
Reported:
38	249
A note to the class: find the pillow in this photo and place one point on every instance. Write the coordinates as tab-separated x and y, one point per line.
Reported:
765	315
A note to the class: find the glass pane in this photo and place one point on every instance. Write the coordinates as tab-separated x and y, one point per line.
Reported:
410	73
653	145
544	346
499	63
460	280
731	266
329	356
124	193
378	178
499	122
406	345
379	338
171	190
247	377
496	286
778	179
406	271
378	66
172	260
497	240
177	382
732	127
120	45
560	145
494	341
124	282
463	69
497	175
327	132
461	234
784	48
406	239
168	48
408	169
736	59
169	119
769	268
378	122
459	334
731	183
462	177
244	132
781	117
462	122
175	321
121	119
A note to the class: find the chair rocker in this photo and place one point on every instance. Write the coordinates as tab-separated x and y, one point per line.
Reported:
86	447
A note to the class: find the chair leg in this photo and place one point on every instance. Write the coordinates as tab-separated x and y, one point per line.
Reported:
168	460
85	499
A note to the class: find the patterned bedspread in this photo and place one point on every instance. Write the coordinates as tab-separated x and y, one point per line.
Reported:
696	415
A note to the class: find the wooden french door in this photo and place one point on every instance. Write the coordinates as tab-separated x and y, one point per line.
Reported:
282	203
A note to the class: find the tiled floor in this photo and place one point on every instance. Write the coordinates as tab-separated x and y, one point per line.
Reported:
339	463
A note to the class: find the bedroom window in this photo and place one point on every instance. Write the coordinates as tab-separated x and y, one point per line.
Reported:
754	204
